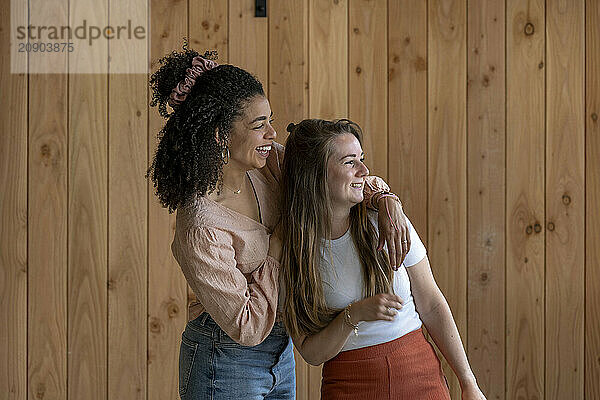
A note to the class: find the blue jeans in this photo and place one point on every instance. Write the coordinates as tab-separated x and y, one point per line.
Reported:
213	367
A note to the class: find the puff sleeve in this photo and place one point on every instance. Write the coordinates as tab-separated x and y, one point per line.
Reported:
243	305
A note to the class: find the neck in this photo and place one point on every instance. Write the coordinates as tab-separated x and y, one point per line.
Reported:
234	175
340	222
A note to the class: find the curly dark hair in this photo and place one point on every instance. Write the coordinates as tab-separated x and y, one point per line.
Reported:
188	159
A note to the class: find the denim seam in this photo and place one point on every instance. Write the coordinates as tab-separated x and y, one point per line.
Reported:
189	371
212	369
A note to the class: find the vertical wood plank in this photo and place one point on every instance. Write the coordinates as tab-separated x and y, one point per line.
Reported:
328	55
565	202
167	298
288	63
328	85
525	93
592	211
367	85
447	159
208	30
47	221
288	95
127	205
209	27
249	40
87	202
486	189
407	108
13	212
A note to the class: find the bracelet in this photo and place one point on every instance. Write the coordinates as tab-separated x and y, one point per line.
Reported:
348	320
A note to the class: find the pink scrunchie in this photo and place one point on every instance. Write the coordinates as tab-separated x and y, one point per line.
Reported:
199	66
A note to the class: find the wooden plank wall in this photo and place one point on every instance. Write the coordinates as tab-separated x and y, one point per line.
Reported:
482	116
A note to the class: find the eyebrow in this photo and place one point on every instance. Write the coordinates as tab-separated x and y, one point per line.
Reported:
261	118
353	155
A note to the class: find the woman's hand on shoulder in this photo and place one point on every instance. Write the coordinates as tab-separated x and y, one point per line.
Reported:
382	306
393	230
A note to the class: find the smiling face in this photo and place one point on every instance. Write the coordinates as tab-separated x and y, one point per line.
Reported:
346	172
252	135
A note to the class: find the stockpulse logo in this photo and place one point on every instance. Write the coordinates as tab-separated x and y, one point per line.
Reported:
83	32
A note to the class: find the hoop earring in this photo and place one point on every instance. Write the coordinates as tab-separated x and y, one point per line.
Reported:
225	155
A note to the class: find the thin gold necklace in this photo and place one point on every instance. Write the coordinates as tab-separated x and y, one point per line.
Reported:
233	190
238	191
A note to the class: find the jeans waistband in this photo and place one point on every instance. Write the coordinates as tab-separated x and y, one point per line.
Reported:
205	324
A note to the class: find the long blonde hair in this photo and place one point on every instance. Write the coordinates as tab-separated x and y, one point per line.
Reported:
306	221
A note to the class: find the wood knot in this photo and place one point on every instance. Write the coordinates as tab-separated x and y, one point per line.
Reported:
537	228
138	113
529	29
356	30
172	310
205	25
111	284
396	60
551	226
526	260
566	199
358	70
216	27
486	81
155	325
407	40
594	117
529	229
45	150
420	64
541	65
484	277
40	391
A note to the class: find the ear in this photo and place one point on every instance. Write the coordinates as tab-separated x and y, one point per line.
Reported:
217	138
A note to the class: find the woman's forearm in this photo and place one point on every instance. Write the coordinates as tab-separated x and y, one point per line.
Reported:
323	346
442	328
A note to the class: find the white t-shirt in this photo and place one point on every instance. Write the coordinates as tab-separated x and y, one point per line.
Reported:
343	283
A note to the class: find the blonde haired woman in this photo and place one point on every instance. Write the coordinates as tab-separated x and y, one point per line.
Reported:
345	305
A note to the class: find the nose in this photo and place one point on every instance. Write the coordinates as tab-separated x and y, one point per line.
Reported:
270	133
362	170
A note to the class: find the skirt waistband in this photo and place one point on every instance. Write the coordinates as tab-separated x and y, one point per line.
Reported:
413	338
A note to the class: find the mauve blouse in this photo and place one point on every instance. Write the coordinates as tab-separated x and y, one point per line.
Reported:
223	255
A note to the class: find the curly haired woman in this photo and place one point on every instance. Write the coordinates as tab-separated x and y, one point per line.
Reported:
217	164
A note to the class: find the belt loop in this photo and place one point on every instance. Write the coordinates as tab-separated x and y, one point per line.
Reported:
203	317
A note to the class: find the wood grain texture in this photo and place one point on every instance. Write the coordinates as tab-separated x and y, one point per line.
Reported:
367	83
328	55
249	40
592	211
565	201
127	217
209	24
288	95
208	31
525	63
447	160
328	85
288	63
13	213
485	196
47	215
407	108
167	300
87	220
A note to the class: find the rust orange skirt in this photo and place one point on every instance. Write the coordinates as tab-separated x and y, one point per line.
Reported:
405	368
